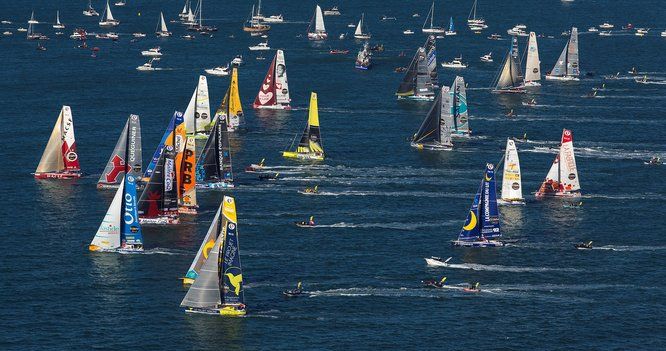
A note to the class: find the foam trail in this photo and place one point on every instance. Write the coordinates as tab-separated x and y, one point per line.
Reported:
499	268
629	248
389	225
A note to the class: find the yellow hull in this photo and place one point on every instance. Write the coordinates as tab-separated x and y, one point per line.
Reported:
187	281
94	248
300	156
231	311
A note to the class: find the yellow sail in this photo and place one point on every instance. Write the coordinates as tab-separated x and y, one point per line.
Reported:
234	106
310	146
313	115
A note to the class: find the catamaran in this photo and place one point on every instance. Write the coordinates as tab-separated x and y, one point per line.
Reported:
90	11
158	203
274	90
482	227
58	25
197	113
459	113
187	193
562	178
417	84
532	64
60	160
218	287
510	77
472	21
452	30
435	131
214	168
310	147
126	156
204	250
230	107
431	17
512	188
363	58
316	29
162	30
566	67
120	230
361	30
107	18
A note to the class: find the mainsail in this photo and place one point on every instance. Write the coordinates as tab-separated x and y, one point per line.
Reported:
197	114
162	27
431	55
126	156
512	188
319	21
204	250
213	168
511	77
274	90
532	64
417	82
459	112
435	131
566	66
310	145
187	193
230	107
160	147
562	178
361	31
483	219
60	153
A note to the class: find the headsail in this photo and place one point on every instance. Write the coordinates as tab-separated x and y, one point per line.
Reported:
417	83
205	249
567	64
205	291
459	112
483	221
160	147
274	90
512	188
532	64
197	114
126	156
214	164
319	20
431	55
60	152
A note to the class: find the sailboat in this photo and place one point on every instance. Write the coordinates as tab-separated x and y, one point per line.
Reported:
31	34
532	64
218	288
316	29
230	107
186	9
158	203
431	56
417	84
512	187
197	113
58	25
472	21
107	19
213	169
435	131
274	90
510	78
161	29
361	30
120	230
459	113
126	156
60	160
431	28
120	3
204	250
562	178
364	58
158	152
90	11
254	24
310	147
452	30
567	68
187	193
482	227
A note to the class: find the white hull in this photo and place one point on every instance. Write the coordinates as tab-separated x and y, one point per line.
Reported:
362	36
417	98
573	195
433	147
433	30
435	263
217	72
219	185
562	78
511	202
532	84
317	36
484	243
447	65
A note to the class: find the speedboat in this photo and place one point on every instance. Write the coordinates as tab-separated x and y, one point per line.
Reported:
139	35
436	261
642	31
188	36
21	29
387	18
274	19
78	34
517	31
120	3
351	25
495	36
305	224
628	26
654	161
606	25
416	15
333	11
529	103
260	47
148	66
218	71
472	288
6	22
238	60
592	29
408	32
433	283
310	191
153	52
663	34
456	63
584	246
293	293
7	33
342	36
487	57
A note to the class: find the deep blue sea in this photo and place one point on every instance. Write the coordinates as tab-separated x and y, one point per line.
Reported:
384	207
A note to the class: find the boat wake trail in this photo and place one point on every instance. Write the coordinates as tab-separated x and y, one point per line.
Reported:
499	268
393	193
170	252
389	225
629	248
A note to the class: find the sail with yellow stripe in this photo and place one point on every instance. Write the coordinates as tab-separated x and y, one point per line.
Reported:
231	108
310	147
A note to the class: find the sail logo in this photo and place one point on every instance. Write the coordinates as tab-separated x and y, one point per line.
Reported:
129	210
265	97
72	156
515	186
118	165
168	174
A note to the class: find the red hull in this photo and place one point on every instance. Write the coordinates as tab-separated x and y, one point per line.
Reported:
55	175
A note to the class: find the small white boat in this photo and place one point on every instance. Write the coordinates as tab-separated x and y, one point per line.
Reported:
153	52
187	36
605	33
7	33
274	19
416	15
351	25
6	22
58	25
218	71
342	36
148	66
663	34
456	63
517	31
606	25
487	57
592	29
642	31
333	11
139	35
388	18
238	60
260	47
120	3
520	26
21	29
495	36
408	32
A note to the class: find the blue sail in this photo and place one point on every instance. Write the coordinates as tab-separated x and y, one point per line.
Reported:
470	231
160	146
231	270
130	233
490	227
451	29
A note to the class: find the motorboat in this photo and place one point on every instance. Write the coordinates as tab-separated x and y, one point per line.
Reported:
338	52
219	71
260	47
139	35
642	31
487	57
408	32
606	25
388	18
188	36
495	36
238	60
153	52
593	30
605	33
274	19
148	66
333	11
455	63
584	246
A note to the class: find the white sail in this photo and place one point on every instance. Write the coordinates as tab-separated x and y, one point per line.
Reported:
109	15
206	247
512	187
444	119
281	83
185	8
197	114
319	20
532	65
108	234
163	26
568	170
52	160
58	17
359	30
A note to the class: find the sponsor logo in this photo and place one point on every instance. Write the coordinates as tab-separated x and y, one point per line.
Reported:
72	156
265	97
535	70
572	176
232	226
515	186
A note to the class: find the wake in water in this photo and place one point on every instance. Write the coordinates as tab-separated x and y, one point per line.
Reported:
499	268
387	225
169	252
629	248
393	193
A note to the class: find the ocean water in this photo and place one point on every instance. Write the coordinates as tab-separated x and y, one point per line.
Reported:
384	206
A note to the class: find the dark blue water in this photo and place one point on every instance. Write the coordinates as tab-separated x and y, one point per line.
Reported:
388	205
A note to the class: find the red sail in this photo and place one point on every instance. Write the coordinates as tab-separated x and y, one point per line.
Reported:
266	95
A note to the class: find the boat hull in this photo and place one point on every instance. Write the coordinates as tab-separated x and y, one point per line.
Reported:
317	36
433	30
562	78
57	175
484	243
417	97
227	311
560	195
511	202
300	156
519	90
272	107
362	36
532	84
433	262
218	185
432	147
160	220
